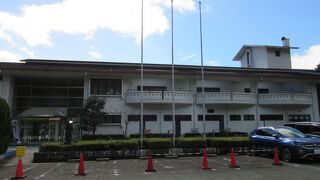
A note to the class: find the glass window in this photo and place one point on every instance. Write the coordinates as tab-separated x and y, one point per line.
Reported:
208	89
299	118
271	117
111	119
211	117
234	117
277	53
247	90
248	117
152	88
290	133
263	91
178	117
145	117
106	86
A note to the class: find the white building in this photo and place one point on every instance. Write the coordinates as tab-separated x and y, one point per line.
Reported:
265	91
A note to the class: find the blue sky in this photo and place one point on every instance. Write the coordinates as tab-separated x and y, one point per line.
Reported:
108	30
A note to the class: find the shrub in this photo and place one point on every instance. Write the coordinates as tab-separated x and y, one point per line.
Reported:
87	137
191	142
52	147
5	126
148	143
192	135
228	141
96	145
157	143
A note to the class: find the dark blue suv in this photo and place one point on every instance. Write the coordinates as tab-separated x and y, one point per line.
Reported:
291	143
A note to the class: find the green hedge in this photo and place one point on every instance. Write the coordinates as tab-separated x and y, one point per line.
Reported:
148	143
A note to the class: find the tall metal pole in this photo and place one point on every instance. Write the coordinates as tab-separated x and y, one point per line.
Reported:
173	89
141	86
202	77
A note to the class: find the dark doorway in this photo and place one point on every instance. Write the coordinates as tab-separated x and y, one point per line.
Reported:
178	127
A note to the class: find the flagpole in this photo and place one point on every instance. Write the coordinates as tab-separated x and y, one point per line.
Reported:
173	88
141	86
202	78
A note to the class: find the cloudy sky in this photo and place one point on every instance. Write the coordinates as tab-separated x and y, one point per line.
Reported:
109	30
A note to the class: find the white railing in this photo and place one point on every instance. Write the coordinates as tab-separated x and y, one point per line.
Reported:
285	98
181	97
227	98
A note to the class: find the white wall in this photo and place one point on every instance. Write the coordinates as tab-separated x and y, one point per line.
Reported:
6	88
279	62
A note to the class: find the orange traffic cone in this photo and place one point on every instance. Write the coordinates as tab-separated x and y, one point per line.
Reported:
276	160
150	163
19	171
233	161
81	168
205	165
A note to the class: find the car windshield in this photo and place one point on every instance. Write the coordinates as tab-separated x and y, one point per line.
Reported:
290	133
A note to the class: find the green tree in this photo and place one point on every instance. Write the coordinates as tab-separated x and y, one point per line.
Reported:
317	68
5	125
93	109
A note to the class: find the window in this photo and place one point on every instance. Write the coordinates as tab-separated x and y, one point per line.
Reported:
262	133
208	89
248	117
299	117
247	90
277	53
211	117
106	86
234	117
145	117
111	119
210	111
177	117
152	88
1	77
263	91
248	59
271	117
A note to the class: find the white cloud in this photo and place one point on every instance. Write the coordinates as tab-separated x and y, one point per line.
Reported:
188	57
28	52
6	56
308	60
95	54
212	63
36	23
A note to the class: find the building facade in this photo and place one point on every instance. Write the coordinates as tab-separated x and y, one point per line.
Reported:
265	91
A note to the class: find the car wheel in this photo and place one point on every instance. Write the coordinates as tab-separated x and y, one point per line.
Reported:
286	154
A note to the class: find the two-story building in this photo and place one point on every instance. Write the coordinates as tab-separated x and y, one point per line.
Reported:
264	91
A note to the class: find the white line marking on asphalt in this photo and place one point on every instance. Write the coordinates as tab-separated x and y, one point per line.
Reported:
115	172
45	173
115	162
27	169
8	164
168	167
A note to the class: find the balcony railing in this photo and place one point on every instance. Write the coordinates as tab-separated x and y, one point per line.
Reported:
181	97
227	98
285	98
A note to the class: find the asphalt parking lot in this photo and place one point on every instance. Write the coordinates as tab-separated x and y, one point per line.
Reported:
181	168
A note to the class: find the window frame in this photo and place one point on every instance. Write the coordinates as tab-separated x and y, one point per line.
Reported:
106	85
235	119
248	119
